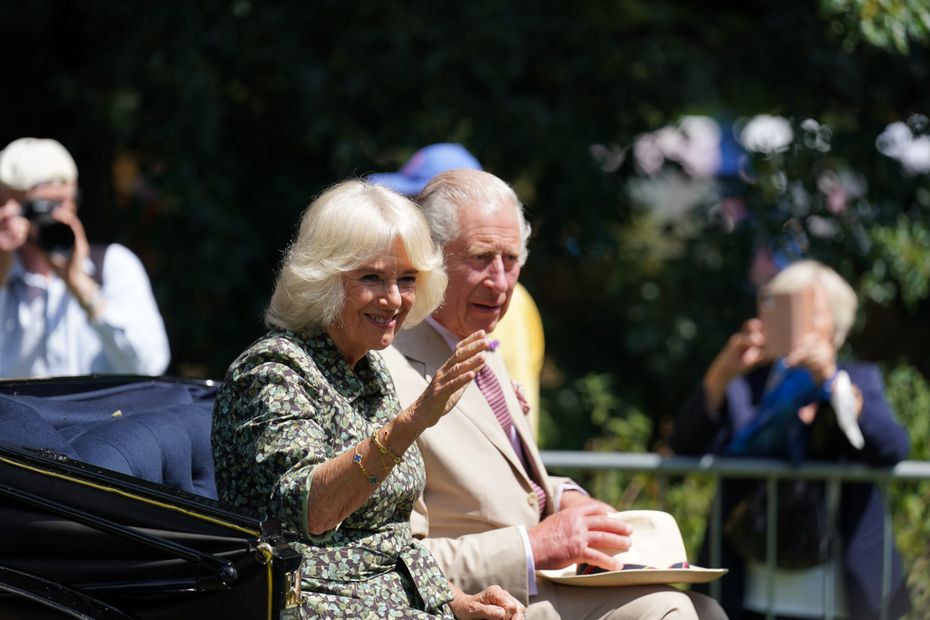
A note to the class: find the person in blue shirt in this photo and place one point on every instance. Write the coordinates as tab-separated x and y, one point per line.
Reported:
67	307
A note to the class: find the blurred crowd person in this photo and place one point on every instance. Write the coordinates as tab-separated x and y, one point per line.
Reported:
520	331
307	428
67	307
490	512
799	403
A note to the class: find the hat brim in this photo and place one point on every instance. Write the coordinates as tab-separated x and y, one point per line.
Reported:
634	577
398	182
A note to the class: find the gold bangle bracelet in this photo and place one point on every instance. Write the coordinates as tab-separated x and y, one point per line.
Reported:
383	449
358	461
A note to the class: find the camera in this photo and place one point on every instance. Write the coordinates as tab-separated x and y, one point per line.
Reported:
51	235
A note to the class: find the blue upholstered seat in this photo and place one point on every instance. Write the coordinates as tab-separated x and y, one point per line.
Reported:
157	431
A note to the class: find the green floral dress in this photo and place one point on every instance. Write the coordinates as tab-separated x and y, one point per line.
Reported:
289	403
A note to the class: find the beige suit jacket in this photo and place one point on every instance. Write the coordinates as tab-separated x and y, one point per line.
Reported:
477	490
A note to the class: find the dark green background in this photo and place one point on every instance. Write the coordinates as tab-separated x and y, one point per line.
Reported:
238	113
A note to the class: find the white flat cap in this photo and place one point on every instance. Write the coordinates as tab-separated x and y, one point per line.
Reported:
28	162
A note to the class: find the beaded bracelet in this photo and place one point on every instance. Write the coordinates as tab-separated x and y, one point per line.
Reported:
384	450
358	461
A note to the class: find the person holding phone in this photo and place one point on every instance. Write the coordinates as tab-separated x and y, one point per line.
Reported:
777	390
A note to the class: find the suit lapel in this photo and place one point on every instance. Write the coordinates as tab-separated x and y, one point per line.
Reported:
425	348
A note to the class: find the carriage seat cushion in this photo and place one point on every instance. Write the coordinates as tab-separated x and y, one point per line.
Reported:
157	431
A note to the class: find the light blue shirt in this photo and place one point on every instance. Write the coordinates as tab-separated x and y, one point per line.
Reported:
44	331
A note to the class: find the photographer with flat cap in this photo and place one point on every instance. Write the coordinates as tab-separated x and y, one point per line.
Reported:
66	307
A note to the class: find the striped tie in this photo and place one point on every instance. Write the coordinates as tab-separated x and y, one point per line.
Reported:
491	389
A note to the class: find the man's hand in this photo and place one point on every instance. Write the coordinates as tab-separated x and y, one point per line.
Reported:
70	267
580	533
14	229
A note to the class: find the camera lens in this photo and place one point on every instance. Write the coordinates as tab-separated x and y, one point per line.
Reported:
51	235
55	237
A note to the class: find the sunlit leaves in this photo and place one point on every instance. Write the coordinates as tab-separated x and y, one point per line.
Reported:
888	24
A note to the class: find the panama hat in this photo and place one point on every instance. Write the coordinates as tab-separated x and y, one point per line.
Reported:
656	556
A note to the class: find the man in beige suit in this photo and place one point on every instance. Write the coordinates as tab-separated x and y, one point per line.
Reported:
490	513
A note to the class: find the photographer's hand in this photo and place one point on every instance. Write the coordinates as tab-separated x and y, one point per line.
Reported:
14	230
70	267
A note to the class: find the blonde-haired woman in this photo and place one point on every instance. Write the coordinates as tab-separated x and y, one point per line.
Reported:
307	427
805	404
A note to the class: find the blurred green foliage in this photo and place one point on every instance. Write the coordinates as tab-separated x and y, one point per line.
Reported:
613	426
900	269
236	113
909	395
202	129
884	23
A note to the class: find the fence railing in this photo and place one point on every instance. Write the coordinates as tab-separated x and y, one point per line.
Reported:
771	471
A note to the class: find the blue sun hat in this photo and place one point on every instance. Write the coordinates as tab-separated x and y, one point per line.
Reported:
424	165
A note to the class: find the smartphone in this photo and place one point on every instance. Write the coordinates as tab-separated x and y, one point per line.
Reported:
786	319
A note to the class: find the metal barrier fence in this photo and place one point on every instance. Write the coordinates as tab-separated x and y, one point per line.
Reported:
771	471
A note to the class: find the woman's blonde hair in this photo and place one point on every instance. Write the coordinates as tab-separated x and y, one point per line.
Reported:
840	295
349	225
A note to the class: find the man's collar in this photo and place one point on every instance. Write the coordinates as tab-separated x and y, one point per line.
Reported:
450	338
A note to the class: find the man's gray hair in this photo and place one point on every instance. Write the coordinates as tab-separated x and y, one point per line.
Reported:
450	190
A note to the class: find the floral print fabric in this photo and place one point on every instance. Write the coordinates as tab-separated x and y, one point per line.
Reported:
289	403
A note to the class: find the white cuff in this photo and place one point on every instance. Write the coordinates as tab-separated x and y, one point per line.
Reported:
566	486
532	589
